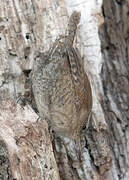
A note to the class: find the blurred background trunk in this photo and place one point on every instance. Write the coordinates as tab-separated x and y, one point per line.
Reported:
26	149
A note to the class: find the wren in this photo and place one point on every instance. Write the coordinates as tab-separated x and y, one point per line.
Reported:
60	85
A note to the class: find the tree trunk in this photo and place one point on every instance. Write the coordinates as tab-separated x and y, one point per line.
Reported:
26	149
115	80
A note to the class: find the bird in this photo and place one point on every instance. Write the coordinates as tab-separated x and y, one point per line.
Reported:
60	85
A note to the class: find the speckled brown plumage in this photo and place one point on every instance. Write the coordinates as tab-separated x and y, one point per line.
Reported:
61	88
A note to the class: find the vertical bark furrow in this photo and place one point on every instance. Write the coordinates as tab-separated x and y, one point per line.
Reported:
115	76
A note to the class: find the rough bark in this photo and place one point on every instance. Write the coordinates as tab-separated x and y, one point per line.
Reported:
115	78
26	151
24	143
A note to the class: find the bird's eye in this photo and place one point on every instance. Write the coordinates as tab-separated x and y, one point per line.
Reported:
84	127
